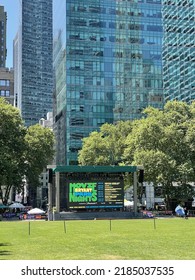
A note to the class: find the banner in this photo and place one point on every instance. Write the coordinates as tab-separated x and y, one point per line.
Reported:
97	269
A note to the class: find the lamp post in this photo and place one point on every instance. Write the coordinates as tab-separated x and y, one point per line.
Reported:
135	184
135	191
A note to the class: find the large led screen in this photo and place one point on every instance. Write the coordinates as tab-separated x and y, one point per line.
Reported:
95	194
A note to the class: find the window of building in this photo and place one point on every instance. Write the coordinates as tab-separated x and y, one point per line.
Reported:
4	82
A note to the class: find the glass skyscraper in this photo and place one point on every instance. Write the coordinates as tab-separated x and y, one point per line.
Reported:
107	66
179	49
33	61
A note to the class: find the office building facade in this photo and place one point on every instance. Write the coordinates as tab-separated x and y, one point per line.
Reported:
33	48
3	25
107	66
179	49
6	74
7	84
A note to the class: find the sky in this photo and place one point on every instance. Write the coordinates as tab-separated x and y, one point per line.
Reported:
12	9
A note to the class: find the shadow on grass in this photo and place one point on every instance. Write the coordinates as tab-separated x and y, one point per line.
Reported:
4	252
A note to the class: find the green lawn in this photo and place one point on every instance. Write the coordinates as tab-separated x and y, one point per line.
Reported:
172	239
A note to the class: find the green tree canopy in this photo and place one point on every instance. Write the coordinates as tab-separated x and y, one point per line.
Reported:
39	151
106	146
163	142
23	152
12	145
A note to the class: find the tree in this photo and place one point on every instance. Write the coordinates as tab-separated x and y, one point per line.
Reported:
164	143
106	146
23	151
12	144
39	151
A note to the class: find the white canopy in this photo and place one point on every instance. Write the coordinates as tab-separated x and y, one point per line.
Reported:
128	203
36	211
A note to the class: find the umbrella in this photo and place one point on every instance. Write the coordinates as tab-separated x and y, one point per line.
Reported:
35	211
16	205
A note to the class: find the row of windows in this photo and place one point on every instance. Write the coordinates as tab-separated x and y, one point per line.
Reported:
172	15
179	29
180	3
179	57
4	82
74	97
134	83
114	69
151	13
116	39
115	25
89	121
4	93
74	93
122	54
89	108
108	10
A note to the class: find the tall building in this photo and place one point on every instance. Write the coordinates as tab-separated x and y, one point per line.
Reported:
33	47
179	49
107	65
3	25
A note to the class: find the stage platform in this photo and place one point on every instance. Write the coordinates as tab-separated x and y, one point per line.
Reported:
94	215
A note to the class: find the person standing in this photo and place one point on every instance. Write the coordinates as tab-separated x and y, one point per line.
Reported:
186	212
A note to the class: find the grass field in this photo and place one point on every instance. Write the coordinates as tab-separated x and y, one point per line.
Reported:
166	239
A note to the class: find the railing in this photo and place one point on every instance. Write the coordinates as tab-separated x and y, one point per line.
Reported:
162	213
191	213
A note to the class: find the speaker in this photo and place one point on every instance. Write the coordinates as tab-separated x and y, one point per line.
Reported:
50	179
141	176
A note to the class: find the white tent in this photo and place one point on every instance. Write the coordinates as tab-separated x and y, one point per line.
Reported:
128	203
36	211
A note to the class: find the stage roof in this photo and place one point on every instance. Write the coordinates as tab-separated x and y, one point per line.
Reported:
94	169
